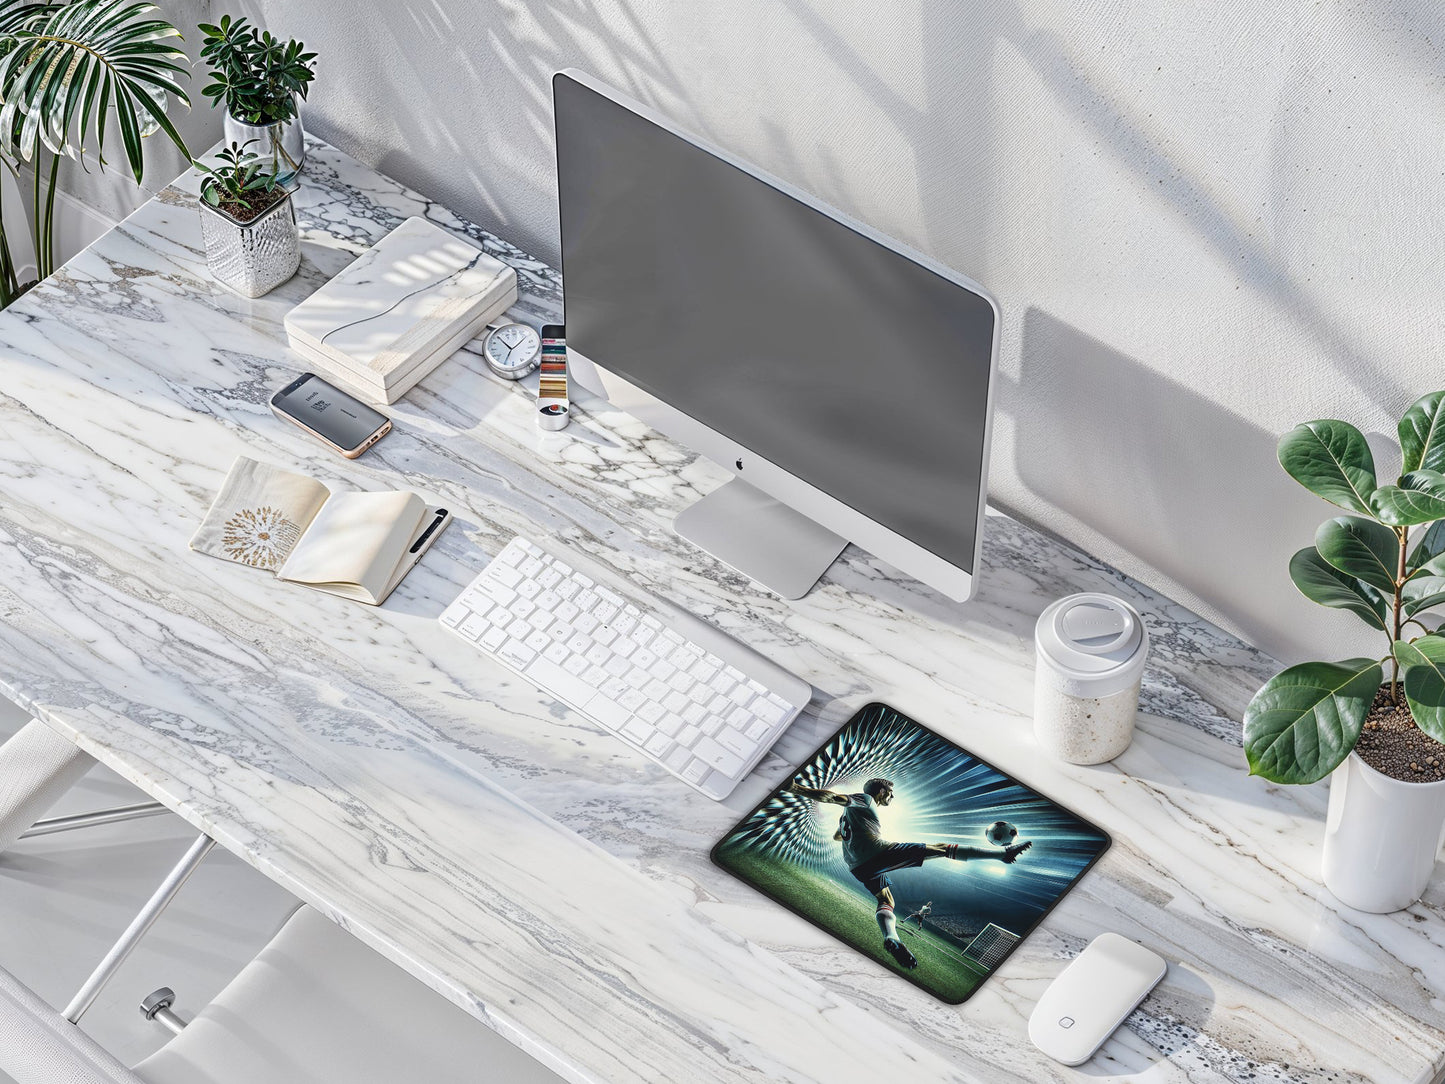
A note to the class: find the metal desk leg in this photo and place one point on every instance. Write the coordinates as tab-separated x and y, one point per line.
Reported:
37	766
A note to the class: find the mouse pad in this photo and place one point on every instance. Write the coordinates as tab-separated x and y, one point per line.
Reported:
889	813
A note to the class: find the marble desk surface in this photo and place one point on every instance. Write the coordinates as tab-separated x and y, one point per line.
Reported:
531	867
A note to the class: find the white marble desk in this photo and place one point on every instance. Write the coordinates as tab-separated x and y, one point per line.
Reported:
529	866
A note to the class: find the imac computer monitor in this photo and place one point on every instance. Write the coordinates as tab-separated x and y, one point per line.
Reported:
844	379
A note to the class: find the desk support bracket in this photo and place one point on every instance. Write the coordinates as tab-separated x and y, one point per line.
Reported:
142	922
115	815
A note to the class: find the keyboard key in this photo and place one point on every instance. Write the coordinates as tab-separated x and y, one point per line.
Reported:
518	629
636	730
539	641
568	612
595	676
695	771
598	655
632	700
611	715
677	758
506	576
512	554
575	665
734	742
556	652
529	567
493	638
528	546
585	623
518	655
693	714
675	701
549	577
657	744
715	756
453	616
473	627
612	688
529	589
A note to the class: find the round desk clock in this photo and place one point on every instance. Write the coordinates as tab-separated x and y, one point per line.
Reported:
512	350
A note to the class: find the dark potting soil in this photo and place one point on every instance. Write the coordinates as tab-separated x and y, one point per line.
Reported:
1391	743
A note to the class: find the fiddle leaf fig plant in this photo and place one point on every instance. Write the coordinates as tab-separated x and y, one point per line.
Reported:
1384	563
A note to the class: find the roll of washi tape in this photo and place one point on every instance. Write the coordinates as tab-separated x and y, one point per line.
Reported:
552	406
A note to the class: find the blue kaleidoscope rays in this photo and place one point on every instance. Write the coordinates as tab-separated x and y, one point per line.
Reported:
941	795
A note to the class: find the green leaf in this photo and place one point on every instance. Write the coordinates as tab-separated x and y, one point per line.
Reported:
1305	720
1419	498
1430	545
1421	593
1321	582
1331	459
1422	434
1360	548
1423	663
71	72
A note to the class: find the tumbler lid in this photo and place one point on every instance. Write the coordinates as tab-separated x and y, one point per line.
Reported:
1095	644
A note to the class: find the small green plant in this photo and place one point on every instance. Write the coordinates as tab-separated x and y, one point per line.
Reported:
257	75
1305	720
237	184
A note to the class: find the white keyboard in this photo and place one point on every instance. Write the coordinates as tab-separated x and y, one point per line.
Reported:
695	700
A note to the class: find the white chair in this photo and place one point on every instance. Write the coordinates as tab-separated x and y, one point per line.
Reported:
316	1006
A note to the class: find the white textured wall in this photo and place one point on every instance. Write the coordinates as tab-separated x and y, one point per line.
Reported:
1205	222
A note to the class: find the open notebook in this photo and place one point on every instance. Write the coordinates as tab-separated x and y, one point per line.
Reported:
356	545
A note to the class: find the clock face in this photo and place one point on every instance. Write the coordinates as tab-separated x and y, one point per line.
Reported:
513	349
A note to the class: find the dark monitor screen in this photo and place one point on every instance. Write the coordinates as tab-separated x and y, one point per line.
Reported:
845	363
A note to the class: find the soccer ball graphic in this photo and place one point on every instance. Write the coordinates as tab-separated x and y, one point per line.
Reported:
1001	833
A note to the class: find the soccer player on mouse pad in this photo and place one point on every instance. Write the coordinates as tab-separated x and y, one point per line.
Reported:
852	834
871	858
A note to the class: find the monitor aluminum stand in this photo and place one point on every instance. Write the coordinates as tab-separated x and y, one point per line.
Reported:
761	537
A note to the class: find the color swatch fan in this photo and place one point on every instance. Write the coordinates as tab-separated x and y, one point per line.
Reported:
912	851
400	309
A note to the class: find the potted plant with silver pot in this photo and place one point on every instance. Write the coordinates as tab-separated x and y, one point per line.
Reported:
1381	738
260	79
248	222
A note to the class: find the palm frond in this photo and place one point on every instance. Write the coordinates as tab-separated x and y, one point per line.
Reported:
67	70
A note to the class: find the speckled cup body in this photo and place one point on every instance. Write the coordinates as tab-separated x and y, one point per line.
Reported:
1082	729
1381	837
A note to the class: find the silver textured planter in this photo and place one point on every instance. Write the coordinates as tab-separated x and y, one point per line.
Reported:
252	257
282	146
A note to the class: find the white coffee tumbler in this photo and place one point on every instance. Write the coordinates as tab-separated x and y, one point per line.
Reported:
1091	650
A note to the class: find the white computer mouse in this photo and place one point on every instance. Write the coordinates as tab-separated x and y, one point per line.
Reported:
1092	996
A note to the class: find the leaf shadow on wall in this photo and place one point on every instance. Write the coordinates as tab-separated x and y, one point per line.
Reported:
1185	486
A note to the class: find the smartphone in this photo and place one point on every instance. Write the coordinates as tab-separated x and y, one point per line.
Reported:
341	422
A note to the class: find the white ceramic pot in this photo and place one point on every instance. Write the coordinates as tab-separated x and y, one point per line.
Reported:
1381	837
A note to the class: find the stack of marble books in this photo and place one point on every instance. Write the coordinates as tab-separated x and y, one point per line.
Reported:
399	310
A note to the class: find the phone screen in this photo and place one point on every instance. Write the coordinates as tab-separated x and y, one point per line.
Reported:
328	411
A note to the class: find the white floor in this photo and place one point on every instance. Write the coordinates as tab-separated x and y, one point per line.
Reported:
65	898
